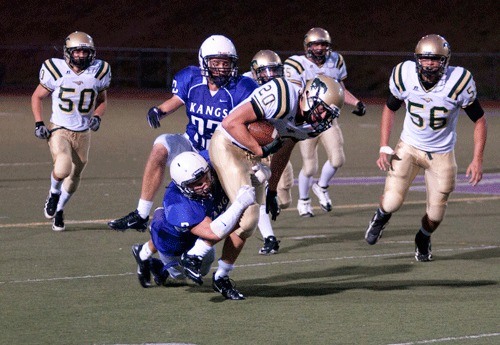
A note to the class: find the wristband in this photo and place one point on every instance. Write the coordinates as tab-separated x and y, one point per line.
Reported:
387	150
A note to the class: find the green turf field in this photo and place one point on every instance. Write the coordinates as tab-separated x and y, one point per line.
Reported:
326	286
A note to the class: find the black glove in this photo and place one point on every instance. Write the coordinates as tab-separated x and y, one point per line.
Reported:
360	109
95	122
272	147
272	204
41	131
154	115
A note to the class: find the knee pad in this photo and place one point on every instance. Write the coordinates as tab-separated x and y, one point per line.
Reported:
248	222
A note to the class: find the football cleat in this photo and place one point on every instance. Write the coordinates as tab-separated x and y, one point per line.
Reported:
58	222
160	274
324	199
423	251
143	267
192	267
225	286
51	205
376	227
131	221
271	246
304	208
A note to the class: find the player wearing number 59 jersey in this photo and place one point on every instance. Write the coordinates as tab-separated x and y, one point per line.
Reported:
78	85
433	94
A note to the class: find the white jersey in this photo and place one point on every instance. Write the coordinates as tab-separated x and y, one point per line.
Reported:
299	69
432	115
248	74
74	95
278	102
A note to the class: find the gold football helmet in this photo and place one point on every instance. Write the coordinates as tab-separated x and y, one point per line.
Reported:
79	40
265	66
432	47
321	94
317	35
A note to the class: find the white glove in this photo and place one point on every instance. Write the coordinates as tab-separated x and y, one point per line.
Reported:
262	172
245	196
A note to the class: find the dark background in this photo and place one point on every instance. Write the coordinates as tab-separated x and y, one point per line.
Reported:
471	27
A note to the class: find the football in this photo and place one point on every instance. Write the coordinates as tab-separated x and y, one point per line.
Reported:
263	132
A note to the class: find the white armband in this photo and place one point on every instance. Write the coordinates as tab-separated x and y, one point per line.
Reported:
224	224
386	150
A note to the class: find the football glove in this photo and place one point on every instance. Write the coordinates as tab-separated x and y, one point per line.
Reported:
262	172
154	115
272	147
360	109
272	204
41	132
95	122
245	196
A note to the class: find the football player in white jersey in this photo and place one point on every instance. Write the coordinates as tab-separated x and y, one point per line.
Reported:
433	93
319	59
267	65
297	115
78	85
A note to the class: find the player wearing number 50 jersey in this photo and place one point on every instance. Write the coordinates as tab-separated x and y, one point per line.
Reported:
78	85
208	92
433	93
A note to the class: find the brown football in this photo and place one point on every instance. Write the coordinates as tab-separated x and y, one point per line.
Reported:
263	131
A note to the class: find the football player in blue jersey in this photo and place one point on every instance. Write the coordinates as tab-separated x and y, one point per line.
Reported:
194	213
434	93
208	91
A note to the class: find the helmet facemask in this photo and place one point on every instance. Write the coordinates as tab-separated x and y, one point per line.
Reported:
318	55
199	187
79	41
266	73
436	48
314	116
220	76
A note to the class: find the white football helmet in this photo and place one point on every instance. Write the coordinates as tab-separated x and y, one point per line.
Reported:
265	66
218	46
186	169
432	47
79	40
320	94
317	35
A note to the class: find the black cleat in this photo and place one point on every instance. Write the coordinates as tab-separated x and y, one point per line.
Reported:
271	246
131	221
192	267
376	227
225	286
51	205
143	267
58	221
423	251
160	274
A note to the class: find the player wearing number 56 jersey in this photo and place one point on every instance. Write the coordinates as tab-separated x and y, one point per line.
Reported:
208	92
433	93
78	85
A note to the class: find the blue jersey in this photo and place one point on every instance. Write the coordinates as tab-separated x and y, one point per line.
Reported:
171	228
206	111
